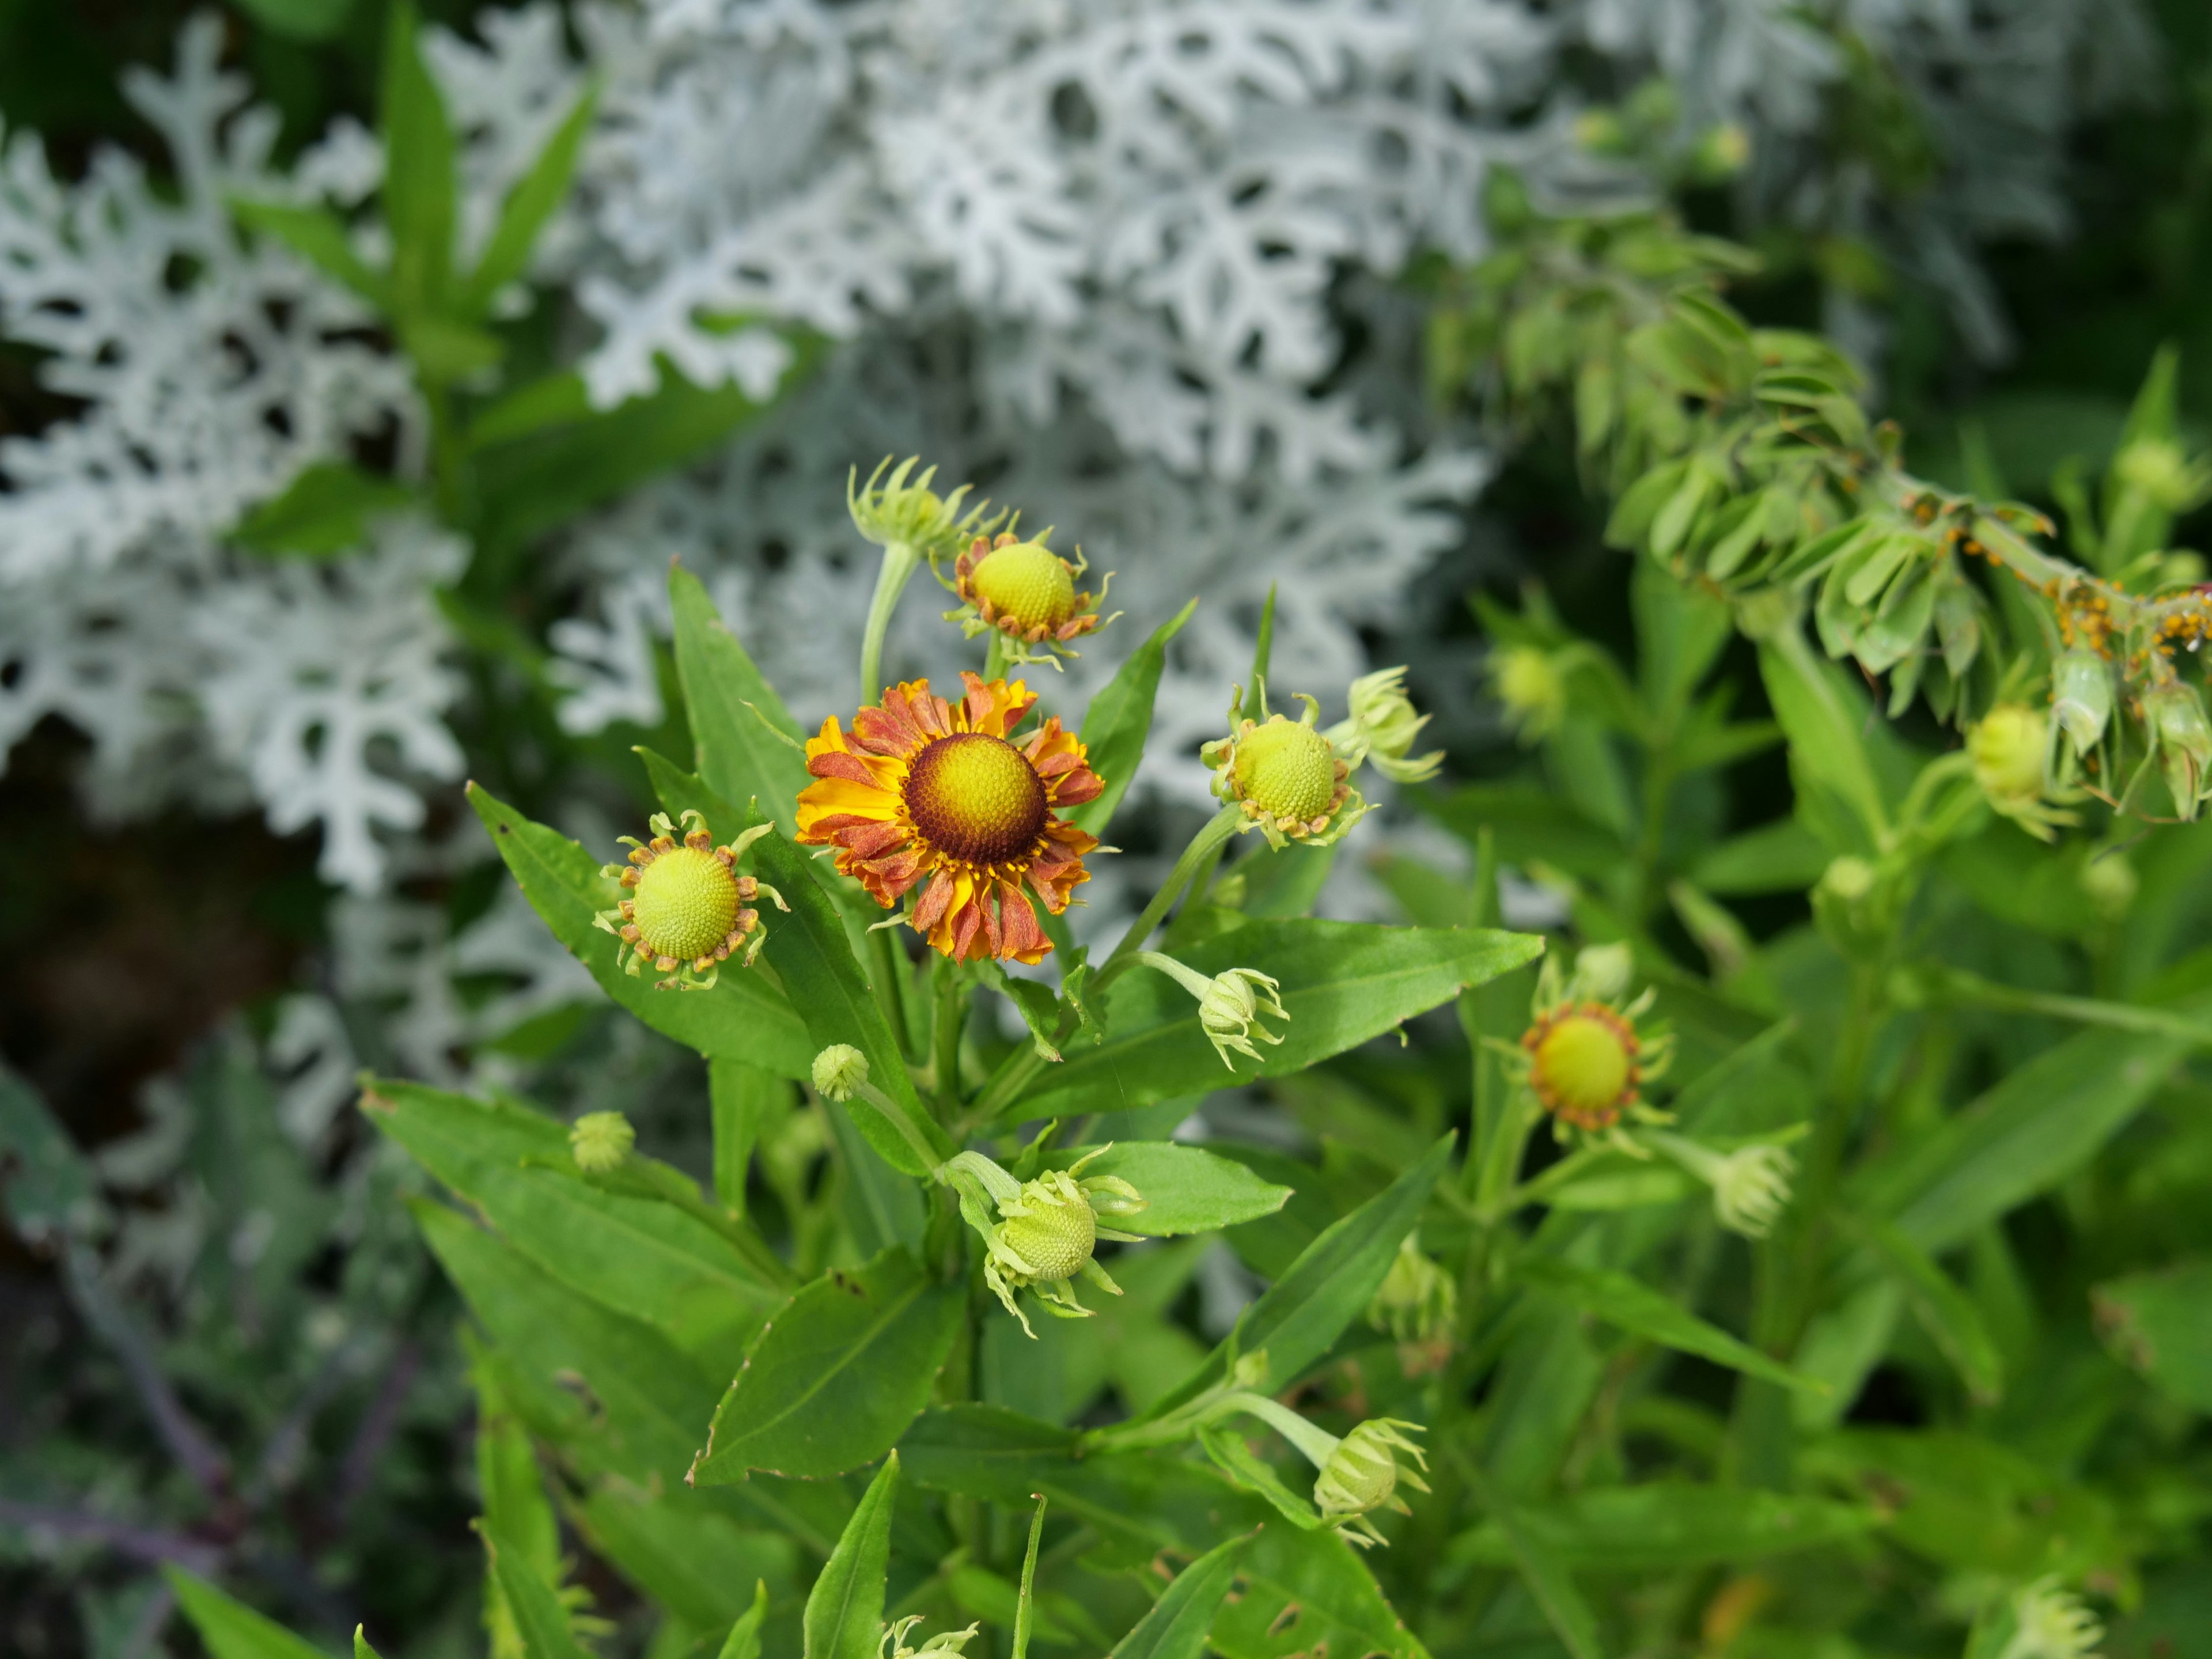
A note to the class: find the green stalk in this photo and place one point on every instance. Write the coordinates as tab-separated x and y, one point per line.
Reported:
901	560
950	1018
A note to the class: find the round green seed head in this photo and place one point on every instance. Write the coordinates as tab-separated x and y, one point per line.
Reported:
1056	1237
1028	583
1287	770
2007	748
1583	1064
600	1141
685	904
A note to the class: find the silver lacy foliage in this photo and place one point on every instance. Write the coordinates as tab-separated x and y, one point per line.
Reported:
1100	255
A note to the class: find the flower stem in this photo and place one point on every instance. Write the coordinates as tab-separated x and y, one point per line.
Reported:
1316	1444
1207	842
994	657
900	560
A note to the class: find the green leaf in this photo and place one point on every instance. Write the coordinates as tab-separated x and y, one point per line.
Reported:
1635	1307
1529	826
2157	1324
1186	1189
325	511
541	474
318	236
361	1647
1309	1593
844	1613
1118	719
2025	1133
750	747
418	169
840	1372
744	1641
47	1187
1229	1453
1781	857
1176	1627
634	1255
301	20
881	1206
692	1561
1668	1524
536	197
1948	1315
649	1396
1342	983
231	1630
1823	718
1549	1583
540	1618
1298	1318
743	1017
513	1492
746	1102
445	350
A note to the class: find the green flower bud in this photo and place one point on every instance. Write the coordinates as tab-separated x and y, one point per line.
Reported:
1416	1305
1046	1230
2081	697
1848	879
1229	1005
600	1141
888	510
2160	470
2008	747
2050	1622
1382	729
2111	882
840	1071
1361	1475
1603	972
1531	684
2175	715
1750	1185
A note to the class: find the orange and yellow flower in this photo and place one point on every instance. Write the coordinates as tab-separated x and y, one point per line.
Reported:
923	792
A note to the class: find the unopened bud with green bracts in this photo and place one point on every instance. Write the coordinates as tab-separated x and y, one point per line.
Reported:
1230	1004
894	509
2081	697
1045	1230
1359	1473
894	1646
600	1141
1750	1185
2182	740
1417	1304
1382	728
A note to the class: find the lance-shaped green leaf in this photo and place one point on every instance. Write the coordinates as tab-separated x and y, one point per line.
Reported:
695	1563
744	1017
1667	1525
1548	1581
634	1255
2158	1324
650	1395
230	1629
1306	1593
1637	1308
325	511
1949	1316
536	197
539	1618
319	237
2025	1134
837	1375
750	747
1342	983
1302	1314
747	1102
418	169
1176	1627
1186	1189
844	1613
744	1641
1118	719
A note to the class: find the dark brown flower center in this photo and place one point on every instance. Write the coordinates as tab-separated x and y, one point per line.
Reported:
976	798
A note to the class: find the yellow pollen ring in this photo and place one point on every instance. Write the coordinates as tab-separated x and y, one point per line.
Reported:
976	798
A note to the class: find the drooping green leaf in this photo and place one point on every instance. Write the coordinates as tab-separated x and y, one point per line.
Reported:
1118	719
845	1612
840	1372
692	1561
1176	1627
1669	1524
230	1629
1309	1592
650	1396
325	511
632	1255
749	745
2160	1325
318	236
536	197
1643	1311
418	169
539	1618
1186	1189
744	1017
1302	1314
1342	983
2031	1129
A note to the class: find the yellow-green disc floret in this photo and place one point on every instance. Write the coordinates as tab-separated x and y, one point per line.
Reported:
1028	584
1287	770
686	907
1055	1238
